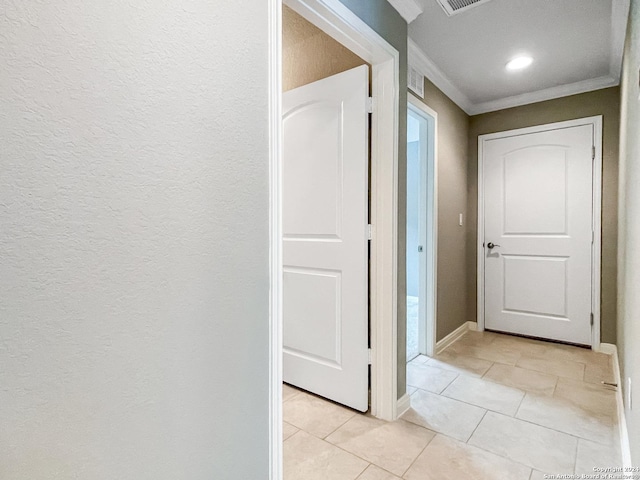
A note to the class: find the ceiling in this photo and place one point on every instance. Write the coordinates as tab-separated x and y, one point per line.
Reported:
576	46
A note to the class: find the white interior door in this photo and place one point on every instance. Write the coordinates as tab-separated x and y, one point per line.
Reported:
538	197
325	243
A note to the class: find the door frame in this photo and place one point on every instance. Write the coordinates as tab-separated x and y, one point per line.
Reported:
596	249
429	185
335	19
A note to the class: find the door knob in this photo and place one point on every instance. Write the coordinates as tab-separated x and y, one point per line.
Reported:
491	245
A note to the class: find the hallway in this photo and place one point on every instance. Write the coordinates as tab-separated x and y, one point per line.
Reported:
490	406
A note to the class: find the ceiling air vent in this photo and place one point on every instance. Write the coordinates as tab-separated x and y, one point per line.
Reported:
451	7
416	81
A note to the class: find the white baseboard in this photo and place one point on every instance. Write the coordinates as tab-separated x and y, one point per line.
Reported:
455	335
403	405
625	448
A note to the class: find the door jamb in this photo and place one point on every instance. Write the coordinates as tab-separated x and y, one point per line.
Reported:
335	19
596	223
428	322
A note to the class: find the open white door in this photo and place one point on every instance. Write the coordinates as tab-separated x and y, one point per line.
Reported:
538	214
325	241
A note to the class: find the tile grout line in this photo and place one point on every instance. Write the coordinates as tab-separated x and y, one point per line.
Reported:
551	429
455	400
555	375
486	451
435	434
490	367
354	455
285	441
555	385
439	368
515	415
375	464
476	428
575	457
297	392
480	406
458	375
338	428
520	388
502	456
472	357
362	472
342	450
354	414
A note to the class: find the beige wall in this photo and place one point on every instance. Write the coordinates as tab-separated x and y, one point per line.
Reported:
452	160
309	54
604	102
629	235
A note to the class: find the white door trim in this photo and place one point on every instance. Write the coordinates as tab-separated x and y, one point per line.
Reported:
338	21
596	123
275	239
428	322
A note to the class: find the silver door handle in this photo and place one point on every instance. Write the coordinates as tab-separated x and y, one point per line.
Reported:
491	245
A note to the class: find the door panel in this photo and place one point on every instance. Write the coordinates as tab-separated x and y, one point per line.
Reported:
539	173
325	245
538	212
313	170
319	313
535	285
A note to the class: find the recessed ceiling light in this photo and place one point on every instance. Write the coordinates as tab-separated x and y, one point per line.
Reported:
519	63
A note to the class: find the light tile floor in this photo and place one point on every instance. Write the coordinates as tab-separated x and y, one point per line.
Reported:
489	407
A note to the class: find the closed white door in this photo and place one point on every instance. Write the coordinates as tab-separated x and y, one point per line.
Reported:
325	242
538	197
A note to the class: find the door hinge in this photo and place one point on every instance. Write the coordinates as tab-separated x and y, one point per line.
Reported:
369	232
593	237
370	104
369	356
593	152
591	319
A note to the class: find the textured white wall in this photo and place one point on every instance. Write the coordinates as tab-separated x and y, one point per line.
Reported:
629	234
133	240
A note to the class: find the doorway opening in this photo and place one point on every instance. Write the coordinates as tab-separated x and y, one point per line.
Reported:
335	19
421	229
325	204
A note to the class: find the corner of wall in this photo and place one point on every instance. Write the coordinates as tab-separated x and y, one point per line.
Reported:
629	231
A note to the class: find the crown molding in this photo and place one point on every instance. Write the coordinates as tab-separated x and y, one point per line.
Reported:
543	95
619	20
419	60
408	9
423	64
